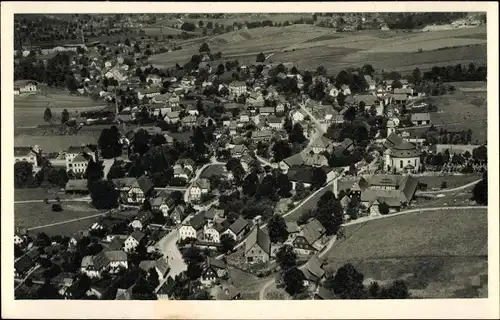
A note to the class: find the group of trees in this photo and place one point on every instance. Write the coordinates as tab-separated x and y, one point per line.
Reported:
47	176
456	73
347	283
409	20
328	212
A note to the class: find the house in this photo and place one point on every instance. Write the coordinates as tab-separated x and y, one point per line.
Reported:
237	88
163	205
280	108
239	150
313	270
323	293
322	144
257	246
178	214
399	97
276	122
293	230
141	220
345	90
189	121
76	291
133	241
311	238
25	87
193	228
238	228
266	111
182	172
370	82
93	266
244	117
200	187
298	116
149	93
79	164
213	270
396	191
160	266
77	186
191	109
133	190
166	291
262	135
124	294
368	99
172	117
255	99
18	240
25	154
153	79
247	161
421	119
304	175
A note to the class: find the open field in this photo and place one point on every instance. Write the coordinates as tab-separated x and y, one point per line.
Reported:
248	284
30	215
462	111
39	194
452	181
308	205
310	46
51	143
436	251
66	229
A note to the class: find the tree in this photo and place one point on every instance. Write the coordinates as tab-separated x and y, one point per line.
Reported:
367	69
374	290
23	174
103	194
297	134
348	283
396	84
47	115
153	278
277	229
94	171
383	208
286	257
417	77
321	71
480	191
140	142
204	48
318	177
294	281
64	116
397	290
109	143
200	24
350	114
281	150
261	57
480	154
227	243
188	26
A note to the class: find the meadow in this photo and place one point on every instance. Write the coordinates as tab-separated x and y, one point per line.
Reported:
310	46
435	252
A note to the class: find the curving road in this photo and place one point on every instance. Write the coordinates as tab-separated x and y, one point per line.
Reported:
364	220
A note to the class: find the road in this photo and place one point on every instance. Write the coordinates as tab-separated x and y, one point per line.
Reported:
465	186
84	199
366	219
172	188
68	221
167	245
21	281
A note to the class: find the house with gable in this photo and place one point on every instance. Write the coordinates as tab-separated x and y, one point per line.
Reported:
133	241
238	228
200	187
193	228
25	154
213	270
257	246
311	238
178	214
160	266
313	271
322	144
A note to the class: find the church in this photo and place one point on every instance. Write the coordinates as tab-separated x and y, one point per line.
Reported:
401	156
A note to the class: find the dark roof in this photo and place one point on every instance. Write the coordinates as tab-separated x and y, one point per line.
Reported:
313	269
312	231
168	287
137	235
239	225
100	260
77	185
145	183
23	264
259	237
392	140
197	221
405	189
324	294
215	263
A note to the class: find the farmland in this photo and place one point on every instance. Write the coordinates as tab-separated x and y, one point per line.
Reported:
30	215
452	181
310	46
436	252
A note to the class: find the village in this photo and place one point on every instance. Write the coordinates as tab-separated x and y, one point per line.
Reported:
220	165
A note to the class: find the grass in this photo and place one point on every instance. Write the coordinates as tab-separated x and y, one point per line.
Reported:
55	143
323	37
308	205
67	229
436	252
39	194
248	284
452	181
213	170
29	215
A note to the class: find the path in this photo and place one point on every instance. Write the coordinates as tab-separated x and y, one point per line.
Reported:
69	221
167	245
21	281
84	199
366	219
465	186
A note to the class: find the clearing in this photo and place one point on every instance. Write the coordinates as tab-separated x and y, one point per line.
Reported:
436	252
29	215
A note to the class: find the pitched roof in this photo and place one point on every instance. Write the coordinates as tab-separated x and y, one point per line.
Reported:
202	183
368	99
197	221
137	235
124	294
77	185
162	265
322	142
259	237
215	263
100	260
116	255
145	183
292	227
405	189
125	183
324	293
421	117
312	231
238	225
22	151
168	287
313	269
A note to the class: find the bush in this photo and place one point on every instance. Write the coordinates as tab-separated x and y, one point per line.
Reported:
444	185
56	207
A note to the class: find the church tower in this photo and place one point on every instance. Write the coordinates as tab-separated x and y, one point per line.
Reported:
391	127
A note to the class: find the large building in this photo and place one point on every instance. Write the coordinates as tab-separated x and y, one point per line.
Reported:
401	156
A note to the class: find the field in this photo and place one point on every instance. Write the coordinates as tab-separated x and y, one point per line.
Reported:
461	111
29	215
436	252
248	284
39	194
66	229
310	46
452	181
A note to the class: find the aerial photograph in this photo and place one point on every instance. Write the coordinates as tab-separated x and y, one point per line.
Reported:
250	156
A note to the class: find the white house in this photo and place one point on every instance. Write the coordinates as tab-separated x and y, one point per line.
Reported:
237	88
153	79
199	188
133	241
192	228
298	116
237	229
25	154
25	87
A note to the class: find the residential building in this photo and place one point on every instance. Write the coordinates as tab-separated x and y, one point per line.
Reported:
212	271
238	228
293	230
193	228
239	150
421	119
262	135
322	144
276	122
160	266
199	188
25	154
166	291
266	111
77	186
178	214
298	116
133	241
396	191
25	87
141	220
257	246
313	270
153	79
311	238
172	117
237	88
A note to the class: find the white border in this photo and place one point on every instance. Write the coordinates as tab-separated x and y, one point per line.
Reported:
450	308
